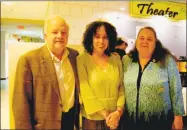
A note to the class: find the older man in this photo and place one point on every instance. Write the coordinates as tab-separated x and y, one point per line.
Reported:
46	84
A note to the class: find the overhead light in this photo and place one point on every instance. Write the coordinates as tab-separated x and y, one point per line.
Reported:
122	8
7	3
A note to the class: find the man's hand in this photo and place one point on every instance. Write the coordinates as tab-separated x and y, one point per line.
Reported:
177	123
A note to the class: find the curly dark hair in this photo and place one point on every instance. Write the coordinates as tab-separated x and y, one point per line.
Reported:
91	31
160	53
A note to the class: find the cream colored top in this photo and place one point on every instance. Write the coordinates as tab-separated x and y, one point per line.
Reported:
66	79
100	89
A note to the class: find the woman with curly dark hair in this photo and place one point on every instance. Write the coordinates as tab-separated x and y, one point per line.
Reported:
100	75
153	90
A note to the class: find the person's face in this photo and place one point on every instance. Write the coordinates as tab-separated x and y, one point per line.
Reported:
57	34
100	40
145	43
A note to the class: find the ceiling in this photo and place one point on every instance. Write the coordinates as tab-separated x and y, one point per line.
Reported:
26	13
37	10
24	9
16	13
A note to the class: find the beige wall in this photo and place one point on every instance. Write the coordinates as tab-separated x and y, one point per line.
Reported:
79	13
3	47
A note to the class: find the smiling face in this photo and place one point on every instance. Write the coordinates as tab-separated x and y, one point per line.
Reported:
145	43
100	40
56	34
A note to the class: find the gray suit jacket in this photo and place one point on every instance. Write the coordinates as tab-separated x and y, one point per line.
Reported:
36	98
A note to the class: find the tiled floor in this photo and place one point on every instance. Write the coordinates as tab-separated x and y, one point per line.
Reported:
4	105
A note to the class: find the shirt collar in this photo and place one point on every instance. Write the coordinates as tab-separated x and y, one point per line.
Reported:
54	58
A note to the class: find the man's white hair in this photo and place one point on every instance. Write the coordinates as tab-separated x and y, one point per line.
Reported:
49	18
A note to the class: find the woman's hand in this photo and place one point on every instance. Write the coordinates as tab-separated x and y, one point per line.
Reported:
114	126
177	123
104	113
113	119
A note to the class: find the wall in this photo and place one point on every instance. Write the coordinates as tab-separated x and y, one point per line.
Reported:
179	43
171	35
79	13
3	46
